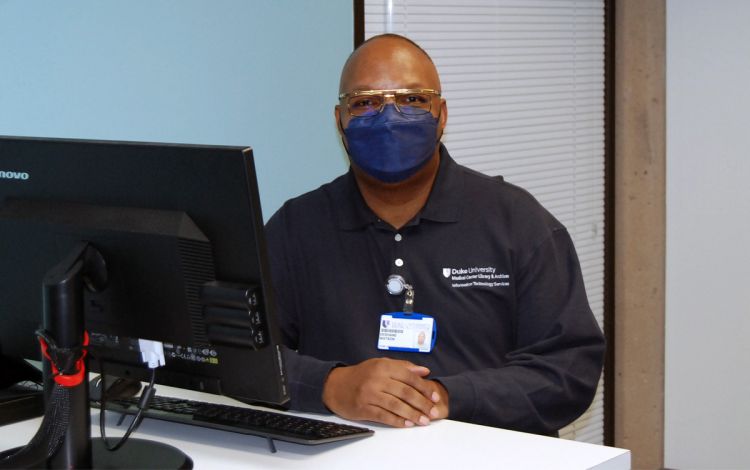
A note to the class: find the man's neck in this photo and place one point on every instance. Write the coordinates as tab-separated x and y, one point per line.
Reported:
398	203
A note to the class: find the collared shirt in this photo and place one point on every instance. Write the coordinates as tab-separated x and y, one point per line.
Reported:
517	345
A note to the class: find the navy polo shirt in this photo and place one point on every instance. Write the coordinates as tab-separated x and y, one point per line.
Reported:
517	345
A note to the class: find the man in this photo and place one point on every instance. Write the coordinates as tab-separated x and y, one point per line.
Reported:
515	342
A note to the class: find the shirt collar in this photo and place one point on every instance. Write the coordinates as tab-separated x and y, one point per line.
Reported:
353	213
443	204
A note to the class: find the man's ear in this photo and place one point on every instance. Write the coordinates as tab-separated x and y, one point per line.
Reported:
443	115
339	126
337	116
442	118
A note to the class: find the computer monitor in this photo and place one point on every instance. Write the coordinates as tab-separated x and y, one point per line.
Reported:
180	233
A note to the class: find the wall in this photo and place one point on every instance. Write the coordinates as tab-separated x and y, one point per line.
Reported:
707	381
261	73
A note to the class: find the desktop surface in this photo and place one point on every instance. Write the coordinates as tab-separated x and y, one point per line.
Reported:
442	444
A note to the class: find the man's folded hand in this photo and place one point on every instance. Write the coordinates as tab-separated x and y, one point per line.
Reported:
385	391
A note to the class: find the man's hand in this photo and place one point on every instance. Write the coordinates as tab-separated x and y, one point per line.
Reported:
441	400
386	391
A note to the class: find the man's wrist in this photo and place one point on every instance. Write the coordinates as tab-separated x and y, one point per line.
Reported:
328	387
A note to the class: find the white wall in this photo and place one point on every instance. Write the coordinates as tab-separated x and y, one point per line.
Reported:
262	73
707	383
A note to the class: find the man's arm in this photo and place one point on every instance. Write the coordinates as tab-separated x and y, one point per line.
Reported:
551	376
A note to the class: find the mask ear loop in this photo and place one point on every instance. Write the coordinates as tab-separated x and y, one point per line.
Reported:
341	133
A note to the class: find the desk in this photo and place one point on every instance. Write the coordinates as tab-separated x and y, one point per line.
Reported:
442	444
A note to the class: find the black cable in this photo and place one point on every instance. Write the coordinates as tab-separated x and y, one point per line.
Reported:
143	404
47	439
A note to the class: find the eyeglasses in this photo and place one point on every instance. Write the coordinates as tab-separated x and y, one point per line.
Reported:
409	101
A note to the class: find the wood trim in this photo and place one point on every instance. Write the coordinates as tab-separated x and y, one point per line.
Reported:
640	229
609	221
359	22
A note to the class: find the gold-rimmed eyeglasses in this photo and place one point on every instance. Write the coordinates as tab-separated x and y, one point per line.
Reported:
409	101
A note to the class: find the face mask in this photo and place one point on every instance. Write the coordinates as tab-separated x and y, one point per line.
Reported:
391	146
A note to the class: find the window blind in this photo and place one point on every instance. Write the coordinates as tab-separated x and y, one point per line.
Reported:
524	82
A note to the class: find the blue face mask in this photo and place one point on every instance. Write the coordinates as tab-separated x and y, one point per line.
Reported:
391	146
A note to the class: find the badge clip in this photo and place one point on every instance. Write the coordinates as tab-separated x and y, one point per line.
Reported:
396	285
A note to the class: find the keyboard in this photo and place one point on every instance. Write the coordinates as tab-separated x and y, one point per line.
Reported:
268	424
19	403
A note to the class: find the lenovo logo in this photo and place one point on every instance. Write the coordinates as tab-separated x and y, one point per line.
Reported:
14	175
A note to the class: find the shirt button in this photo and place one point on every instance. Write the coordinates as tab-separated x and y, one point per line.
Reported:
398	237
399	262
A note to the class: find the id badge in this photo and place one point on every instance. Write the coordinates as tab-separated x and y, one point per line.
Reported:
411	332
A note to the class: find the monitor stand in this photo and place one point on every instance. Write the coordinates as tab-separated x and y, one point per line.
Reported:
64	322
139	453
135	453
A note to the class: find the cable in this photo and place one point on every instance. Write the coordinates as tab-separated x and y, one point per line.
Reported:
47	439
68	371
143	404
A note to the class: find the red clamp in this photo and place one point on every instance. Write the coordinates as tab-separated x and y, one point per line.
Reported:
68	380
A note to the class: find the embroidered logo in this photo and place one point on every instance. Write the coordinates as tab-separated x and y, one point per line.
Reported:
476	276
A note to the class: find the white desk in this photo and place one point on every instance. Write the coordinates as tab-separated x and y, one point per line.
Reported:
442	444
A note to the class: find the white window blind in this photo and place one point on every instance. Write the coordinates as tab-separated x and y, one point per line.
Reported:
524	82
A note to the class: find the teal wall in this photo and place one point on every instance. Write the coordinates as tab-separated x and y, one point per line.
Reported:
262	73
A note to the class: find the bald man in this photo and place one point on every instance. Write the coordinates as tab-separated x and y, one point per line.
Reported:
492	276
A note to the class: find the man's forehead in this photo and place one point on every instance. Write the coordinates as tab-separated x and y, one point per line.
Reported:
388	63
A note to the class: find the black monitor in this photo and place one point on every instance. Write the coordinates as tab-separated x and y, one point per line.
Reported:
179	235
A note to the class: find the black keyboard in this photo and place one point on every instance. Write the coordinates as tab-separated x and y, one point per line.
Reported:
268	424
21	402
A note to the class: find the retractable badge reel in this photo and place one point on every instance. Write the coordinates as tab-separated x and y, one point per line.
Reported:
406	330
